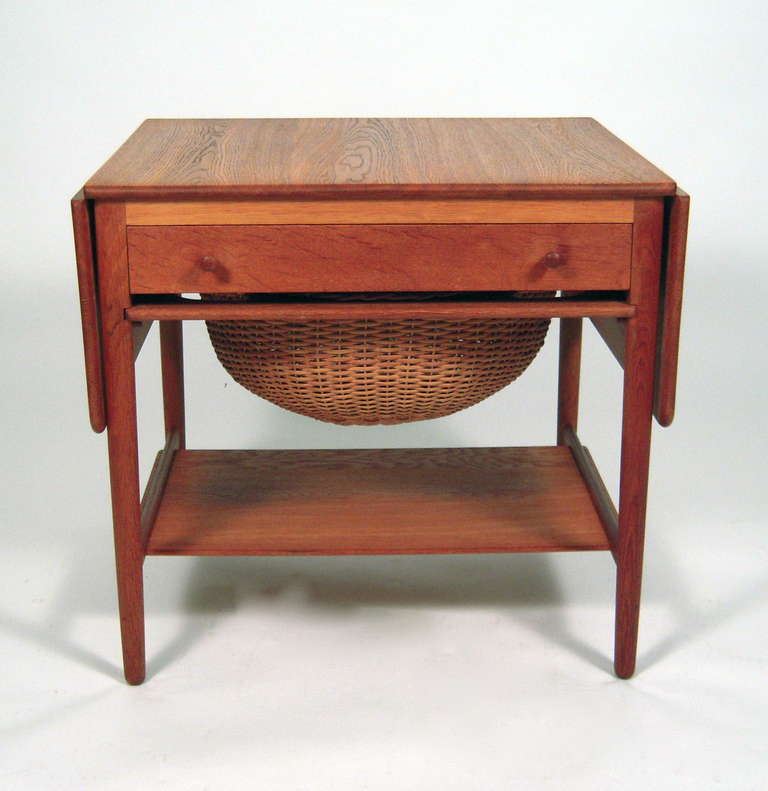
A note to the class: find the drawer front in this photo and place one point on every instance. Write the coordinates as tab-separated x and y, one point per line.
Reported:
318	258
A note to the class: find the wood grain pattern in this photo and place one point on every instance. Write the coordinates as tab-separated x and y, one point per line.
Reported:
375	502
117	334
341	212
168	159
671	306
307	311
89	312
385	204
321	258
639	375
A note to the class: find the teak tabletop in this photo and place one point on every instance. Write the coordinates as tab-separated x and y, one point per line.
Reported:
366	157
509	219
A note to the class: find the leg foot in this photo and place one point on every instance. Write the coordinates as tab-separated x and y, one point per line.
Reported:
627	620
130	585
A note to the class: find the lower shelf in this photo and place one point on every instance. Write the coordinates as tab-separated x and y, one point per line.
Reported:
343	502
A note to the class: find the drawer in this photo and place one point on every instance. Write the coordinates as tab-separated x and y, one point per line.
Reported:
434	257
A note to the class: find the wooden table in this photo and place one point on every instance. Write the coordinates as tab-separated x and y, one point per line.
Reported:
309	206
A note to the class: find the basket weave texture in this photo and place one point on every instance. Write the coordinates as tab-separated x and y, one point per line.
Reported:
372	371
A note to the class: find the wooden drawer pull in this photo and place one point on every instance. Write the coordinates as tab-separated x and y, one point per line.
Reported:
208	263
554	260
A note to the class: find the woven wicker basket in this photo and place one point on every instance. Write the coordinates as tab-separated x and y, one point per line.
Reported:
372	371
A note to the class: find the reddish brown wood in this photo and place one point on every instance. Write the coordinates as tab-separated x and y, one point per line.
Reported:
172	360
601	499
158	478
671	303
173	159
89	312
460	171
375	502
296	258
568	377
614	332
376	212
306	311
140	331
639	374
117	334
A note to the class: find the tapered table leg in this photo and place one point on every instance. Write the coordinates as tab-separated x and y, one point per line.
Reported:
120	388
172	361
639	364
569	370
